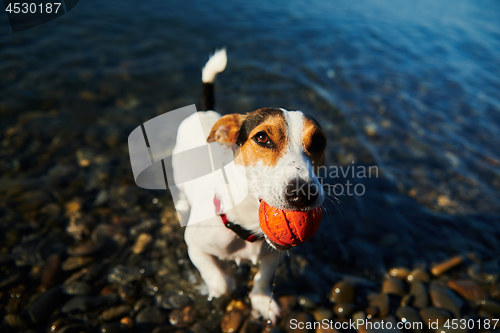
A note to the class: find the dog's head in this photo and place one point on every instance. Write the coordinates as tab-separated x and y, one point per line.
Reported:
280	150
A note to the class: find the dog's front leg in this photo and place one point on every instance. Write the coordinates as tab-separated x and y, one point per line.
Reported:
217	281
260	296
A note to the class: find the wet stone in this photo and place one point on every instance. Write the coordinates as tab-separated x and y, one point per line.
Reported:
169	301
251	326
150	315
141	243
446	265
231	321
407	300
408	314
74	263
86	248
491	307
382	303
343	310
468	289
50	271
114	328
287	303
343	292
322	313
419	291
418	275
114	312
182	318
443	297
46	304
76	288
394	286
399	272
239	305
433	314
122	275
86	303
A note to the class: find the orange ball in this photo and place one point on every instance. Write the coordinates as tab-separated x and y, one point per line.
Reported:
288	227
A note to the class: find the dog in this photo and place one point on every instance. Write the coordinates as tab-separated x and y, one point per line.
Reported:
276	151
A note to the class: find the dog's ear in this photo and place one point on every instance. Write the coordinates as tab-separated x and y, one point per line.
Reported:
226	129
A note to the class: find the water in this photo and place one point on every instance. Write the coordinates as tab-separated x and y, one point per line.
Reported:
410	86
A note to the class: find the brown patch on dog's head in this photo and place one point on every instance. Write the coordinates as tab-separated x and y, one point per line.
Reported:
262	137
314	142
225	130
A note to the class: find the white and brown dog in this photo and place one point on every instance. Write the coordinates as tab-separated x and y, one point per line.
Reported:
278	151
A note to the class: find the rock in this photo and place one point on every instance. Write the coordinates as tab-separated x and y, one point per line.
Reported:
491	307
114	312
382	303
86	303
172	300
142	242
127	322
41	309
287	303
394	286
343	310
150	315
90	247
468	289
443	297
445	266
231	321
50	271
407	300
399	272
432	315
113	328
73	263
343	293
418	275
408	314
419	291
251	326
76	288
182	318
123	275
237	304
322	313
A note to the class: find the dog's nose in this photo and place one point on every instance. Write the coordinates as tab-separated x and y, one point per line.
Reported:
300	193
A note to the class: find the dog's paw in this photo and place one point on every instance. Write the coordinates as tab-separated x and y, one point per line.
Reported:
224	285
265	306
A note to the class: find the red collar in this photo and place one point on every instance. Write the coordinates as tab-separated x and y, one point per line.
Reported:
236	228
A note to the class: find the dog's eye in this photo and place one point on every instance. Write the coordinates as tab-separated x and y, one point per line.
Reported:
318	143
262	139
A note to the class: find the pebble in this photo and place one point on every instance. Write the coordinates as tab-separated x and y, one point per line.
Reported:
394	286
434	314
172	300
343	310
419	292
142	242
41	309
86	303
114	312
381	302
468	289
399	272
182	318
231	321
90	247
73	263
418	275
50	271
343	292
239	305
76	288
123	275
491	307
444	298
408	314
150	315
446	265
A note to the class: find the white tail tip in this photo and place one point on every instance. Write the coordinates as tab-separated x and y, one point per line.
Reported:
216	64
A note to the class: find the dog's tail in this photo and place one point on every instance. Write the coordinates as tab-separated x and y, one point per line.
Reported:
215	65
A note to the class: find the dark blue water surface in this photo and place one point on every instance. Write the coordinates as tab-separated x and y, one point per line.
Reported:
416	82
